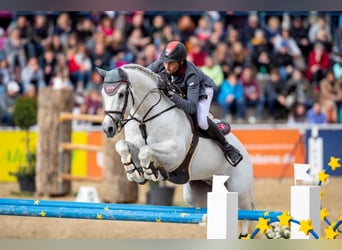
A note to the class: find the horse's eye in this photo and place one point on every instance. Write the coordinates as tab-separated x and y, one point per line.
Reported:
121	95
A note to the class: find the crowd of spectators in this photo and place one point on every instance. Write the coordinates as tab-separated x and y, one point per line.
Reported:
267	66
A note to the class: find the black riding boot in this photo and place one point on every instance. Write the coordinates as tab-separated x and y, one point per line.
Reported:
232	154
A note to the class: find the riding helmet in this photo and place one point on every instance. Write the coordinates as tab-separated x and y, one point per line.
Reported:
174	52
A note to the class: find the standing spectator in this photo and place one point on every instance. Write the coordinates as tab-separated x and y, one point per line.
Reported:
32	74
231	97
318	64
274	97
315	115
330	97
252	95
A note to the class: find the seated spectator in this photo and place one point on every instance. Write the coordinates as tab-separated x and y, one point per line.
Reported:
92	103
271	29
214	71
299	90
196	53
5	75
60	79
315	115
48	65
330	97
283	61
239	57
318	64
7	103
337	69
320	25
300	34
32	73
203	30
252	95
274	97
231	97
249	29
297	115
100	56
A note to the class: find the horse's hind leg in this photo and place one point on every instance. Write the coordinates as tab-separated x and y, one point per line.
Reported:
129	158
195	193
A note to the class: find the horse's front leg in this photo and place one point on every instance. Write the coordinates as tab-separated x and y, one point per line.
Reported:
160	158
129	158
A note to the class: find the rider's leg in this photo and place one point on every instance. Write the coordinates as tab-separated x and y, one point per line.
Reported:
233	155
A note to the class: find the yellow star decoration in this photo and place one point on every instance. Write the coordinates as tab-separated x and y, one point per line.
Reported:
158	220
333	163
266	213
324	213
263	225
106	208
42	213
330	234
322	176
248	237
99	216
305	226
284	219
183	215
36	202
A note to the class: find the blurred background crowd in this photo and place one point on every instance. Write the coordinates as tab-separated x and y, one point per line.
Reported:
268	66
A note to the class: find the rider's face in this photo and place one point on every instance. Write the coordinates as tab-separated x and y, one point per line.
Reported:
171	67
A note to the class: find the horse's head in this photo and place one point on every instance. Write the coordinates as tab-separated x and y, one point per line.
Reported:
116	92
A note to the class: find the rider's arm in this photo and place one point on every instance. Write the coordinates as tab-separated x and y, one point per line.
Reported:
189	104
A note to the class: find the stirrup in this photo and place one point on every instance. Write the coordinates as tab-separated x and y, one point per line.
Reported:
231	162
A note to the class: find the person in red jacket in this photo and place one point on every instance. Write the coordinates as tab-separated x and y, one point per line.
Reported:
318	64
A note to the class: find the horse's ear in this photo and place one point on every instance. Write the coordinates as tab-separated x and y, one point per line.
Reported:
123	75
102	72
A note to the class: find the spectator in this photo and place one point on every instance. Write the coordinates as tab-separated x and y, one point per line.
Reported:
283	61
215	72
92	104
15	53
274	97
196	53
271	30
330	97
5	75
299	90
96	82
203	30
231	97
252	95
320	25
297	115
337	69
148	55
239	58
300	35
217	36
55	44
315	115
32	73
249	29
60	79
63	27
186	27
85	30
48	65
7	103
318	64
100	56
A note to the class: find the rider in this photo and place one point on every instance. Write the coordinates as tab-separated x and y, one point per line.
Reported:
197	91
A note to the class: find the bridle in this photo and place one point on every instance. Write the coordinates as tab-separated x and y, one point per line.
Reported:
122	121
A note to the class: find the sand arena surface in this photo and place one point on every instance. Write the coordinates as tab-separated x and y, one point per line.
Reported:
270	194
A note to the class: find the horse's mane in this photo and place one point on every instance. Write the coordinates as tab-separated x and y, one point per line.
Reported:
143	69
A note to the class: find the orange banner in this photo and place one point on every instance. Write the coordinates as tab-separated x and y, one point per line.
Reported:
273	151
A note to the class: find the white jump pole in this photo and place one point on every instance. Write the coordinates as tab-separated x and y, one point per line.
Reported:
305	202
222	211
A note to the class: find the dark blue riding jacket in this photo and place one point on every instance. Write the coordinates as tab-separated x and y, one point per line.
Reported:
190	79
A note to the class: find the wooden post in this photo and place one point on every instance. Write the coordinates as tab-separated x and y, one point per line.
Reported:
116	188
51	103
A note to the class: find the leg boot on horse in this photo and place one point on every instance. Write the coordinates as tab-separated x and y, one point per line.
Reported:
233	155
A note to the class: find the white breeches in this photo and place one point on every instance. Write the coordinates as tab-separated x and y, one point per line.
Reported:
203	109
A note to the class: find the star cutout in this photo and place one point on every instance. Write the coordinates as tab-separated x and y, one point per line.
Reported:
183	215
322	176
330	234
106	208
42	213
284	219
263	225
99	216
266	214
305	226
333	163
36	202
324	213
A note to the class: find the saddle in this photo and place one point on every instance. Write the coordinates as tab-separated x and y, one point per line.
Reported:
181	174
